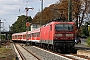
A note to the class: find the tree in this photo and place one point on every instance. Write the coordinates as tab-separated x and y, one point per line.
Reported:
59	10
20	24
80	12
89	29
85	30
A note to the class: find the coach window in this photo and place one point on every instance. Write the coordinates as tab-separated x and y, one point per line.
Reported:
23	36
50	27
15	36
32	34
29	35
18	36
38	34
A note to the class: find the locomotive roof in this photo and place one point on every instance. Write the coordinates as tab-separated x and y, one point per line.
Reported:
57	23
61	22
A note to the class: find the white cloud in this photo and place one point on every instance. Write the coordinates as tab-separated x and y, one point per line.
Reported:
49	2
11	9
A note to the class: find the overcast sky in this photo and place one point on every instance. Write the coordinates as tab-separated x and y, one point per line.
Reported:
11	9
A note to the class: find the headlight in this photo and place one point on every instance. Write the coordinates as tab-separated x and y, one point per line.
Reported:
58	34
69	35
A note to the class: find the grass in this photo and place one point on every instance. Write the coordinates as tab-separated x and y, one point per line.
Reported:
88	41
6	53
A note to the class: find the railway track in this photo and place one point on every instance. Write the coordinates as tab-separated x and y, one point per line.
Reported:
24	54
48	55
68	56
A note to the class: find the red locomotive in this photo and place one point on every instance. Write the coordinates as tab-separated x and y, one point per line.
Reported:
55	35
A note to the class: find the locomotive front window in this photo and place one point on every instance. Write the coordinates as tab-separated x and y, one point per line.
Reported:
60	27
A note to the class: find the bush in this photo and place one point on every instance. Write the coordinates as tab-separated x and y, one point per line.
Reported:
88	41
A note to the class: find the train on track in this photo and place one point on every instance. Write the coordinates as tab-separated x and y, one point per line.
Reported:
54	35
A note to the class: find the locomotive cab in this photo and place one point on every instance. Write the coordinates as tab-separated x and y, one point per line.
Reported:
64	36
64	32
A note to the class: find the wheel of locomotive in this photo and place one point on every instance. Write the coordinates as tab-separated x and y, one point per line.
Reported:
31	43
53	48
28	43
41	45
58	50
73	50
48	47
45	46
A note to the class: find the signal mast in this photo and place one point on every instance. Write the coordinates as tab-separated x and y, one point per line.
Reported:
27	23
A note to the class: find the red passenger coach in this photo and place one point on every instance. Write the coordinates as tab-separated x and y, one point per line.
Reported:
17	36
34	36
58	35
23	36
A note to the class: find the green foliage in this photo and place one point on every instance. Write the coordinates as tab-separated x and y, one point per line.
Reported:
85	30
88	41
89	29
3	37
20	24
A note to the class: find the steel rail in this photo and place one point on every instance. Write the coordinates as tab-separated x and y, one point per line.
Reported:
20	53
31	53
